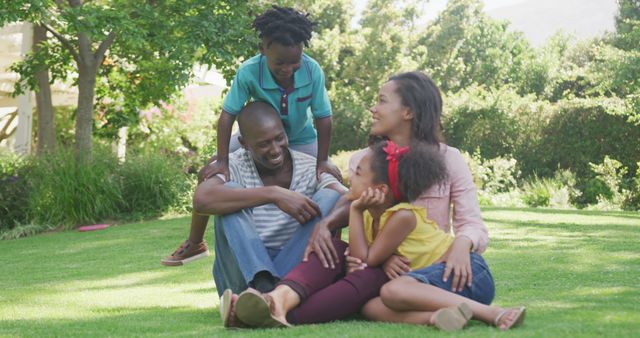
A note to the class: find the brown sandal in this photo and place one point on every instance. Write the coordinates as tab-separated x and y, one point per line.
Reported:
519	318
230	320
452	318
255	309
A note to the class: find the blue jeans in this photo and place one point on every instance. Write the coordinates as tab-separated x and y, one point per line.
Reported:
482	288
241	254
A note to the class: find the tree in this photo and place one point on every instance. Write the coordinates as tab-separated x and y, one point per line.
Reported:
151	46
46	122
628	24
463	46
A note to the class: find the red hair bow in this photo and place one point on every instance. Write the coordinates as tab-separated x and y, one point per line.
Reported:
394	154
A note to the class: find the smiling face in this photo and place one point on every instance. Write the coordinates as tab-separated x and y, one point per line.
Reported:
389	114
268	144
282	60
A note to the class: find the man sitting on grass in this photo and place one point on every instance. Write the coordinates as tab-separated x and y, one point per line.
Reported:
267	211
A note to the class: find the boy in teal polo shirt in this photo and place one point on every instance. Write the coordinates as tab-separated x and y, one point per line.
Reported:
291	82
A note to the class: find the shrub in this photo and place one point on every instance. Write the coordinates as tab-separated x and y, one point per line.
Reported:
537	192
151	185
55	190
612	174
14	191
583	131
548	192
510	199
633	202
69	193
496	175
497	121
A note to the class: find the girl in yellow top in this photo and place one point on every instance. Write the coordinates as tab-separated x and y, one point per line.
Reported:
382	223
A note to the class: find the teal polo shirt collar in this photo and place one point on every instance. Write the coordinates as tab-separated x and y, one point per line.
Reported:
301	78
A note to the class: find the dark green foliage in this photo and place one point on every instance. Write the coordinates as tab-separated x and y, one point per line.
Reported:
583	131
56	190
151	184
14	191
68	193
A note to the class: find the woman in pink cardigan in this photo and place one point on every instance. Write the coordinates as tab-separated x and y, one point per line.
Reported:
453	205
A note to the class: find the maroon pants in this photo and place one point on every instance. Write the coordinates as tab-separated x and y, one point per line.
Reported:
328	294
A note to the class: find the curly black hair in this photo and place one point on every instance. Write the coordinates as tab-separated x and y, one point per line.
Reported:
419	169
284	25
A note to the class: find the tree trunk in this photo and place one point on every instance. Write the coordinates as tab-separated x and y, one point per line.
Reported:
84	114
46	122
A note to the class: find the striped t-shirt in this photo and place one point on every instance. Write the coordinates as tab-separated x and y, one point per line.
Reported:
273	225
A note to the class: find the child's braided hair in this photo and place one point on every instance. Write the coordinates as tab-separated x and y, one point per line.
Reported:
284	25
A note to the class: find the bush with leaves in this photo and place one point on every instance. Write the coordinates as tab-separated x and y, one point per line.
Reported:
613	175
14	190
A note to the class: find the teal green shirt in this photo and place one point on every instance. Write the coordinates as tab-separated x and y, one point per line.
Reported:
298	106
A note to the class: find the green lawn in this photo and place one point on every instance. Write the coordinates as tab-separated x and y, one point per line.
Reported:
577	272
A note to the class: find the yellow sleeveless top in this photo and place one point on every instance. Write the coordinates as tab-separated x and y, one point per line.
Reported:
424	245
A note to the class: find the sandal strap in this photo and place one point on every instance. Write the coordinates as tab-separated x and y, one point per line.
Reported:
496	321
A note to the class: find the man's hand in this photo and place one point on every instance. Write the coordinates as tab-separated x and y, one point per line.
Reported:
213	168
297	205
329	168
458	263
396	266
321	243
353	263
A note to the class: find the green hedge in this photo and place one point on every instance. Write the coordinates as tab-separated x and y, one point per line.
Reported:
542	136
56	191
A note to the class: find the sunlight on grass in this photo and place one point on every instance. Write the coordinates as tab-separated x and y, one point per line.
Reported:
575	271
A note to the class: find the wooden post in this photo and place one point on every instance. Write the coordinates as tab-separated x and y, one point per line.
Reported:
25	108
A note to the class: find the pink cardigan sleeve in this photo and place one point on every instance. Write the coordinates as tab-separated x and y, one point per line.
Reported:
466	218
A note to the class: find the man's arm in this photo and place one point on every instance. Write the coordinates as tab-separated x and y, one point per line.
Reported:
212	197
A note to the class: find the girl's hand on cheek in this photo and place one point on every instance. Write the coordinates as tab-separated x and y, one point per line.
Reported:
370	197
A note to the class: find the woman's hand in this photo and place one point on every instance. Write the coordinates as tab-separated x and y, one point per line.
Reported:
458	264
396	266
369	198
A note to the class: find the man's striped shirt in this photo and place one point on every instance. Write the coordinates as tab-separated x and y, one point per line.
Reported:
274	226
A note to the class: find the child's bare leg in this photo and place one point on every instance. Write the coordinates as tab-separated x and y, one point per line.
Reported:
376	310
408	294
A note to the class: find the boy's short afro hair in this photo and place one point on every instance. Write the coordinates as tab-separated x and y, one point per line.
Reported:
284	25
